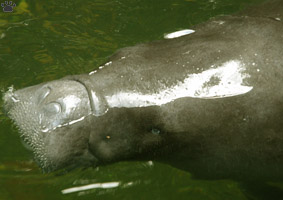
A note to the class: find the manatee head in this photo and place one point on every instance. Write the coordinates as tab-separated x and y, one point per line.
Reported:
50	118
67	123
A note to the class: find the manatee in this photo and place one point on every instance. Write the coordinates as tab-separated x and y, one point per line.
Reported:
210	102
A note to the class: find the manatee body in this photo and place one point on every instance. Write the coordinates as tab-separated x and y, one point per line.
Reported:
210	102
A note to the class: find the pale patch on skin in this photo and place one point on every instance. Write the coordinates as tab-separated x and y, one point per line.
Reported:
178	33
224	81
71	102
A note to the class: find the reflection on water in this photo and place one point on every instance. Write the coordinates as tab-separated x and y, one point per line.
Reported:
93	186
45	40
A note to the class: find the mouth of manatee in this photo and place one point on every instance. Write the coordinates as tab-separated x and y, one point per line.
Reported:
37	116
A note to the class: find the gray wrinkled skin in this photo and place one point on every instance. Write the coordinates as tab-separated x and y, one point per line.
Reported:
39	111
212	100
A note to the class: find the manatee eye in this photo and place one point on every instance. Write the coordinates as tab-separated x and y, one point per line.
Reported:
155	131
52	108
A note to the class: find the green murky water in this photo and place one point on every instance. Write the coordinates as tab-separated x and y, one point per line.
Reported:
46	40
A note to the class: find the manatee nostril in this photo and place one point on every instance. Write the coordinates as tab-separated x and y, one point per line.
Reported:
43	93
9	98
53	108
14	98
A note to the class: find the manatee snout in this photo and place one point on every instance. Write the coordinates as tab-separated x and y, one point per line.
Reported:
43	112
54	103
9	99
33	95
